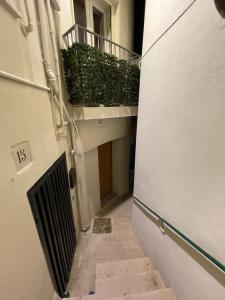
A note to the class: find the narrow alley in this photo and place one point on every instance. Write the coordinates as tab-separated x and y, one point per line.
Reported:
112	153
113	265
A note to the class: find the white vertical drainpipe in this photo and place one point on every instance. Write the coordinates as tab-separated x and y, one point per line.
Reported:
56	59
74	135
59	36
78	157
44	38
26	29
46	58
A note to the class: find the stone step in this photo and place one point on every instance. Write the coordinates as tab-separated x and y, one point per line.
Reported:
123	267
123	238
129	284
118	252
163	294
121	226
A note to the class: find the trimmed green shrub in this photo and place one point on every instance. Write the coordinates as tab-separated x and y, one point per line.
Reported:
94	78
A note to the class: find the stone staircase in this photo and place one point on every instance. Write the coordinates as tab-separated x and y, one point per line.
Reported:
120	269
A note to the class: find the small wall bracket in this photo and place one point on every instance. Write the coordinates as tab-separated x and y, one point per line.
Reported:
162	226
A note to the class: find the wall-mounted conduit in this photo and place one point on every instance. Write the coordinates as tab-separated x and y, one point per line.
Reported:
167	225
52	211
24	81
54	81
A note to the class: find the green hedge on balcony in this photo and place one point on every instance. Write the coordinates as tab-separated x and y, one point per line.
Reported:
94	78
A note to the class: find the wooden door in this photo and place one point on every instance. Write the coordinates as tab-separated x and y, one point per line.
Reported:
105	169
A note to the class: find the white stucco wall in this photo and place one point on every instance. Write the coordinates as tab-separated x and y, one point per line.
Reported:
92	175
120	173
67	16
180	144
116	130
121	161
126	23
25	115
163	13
93	135
181	268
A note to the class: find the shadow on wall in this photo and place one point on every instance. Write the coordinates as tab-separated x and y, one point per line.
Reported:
203	262
220	5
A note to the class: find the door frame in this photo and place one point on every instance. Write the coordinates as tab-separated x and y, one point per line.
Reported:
105	9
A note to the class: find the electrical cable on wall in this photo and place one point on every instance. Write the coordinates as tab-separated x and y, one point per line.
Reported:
174	22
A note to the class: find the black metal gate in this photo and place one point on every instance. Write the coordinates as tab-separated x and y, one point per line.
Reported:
52	211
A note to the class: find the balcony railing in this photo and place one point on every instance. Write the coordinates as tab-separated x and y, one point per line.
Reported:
79	34
98	71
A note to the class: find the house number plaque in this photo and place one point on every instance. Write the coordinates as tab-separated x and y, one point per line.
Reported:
21	155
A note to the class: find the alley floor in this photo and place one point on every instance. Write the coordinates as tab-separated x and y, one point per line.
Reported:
113	264
95	248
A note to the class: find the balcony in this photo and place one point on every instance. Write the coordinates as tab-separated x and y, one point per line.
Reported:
99	72
79	34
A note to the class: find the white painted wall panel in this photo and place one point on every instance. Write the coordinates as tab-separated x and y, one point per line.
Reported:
93	135
92	175
180	162
159	16
185	271
67	19
25	115
121	162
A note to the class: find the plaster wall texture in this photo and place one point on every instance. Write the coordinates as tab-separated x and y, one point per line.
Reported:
121	163
67	15
181	141
163	14
120	172
26	115
126	23
93	188
93	135
182	268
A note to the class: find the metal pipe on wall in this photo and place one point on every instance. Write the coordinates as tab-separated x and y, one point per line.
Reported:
76	147
56	59
26	29
21	80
